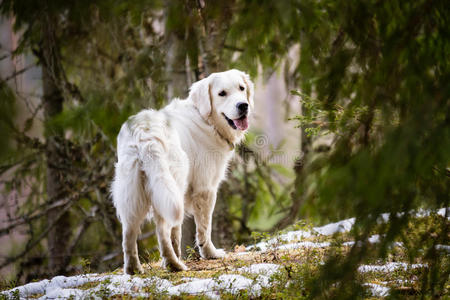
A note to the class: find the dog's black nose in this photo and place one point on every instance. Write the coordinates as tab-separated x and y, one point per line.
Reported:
242	107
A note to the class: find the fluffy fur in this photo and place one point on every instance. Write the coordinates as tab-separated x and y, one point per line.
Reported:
171	162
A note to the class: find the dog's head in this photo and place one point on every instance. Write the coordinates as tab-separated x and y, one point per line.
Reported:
226	99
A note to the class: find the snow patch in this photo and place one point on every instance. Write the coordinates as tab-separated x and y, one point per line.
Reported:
60	293
295	235
341	226
28	289
443	247
389	267
127	284
377	290
230	283
373	240
261	269
303	245
62	287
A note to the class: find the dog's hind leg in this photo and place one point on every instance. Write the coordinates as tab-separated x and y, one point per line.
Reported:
132	264
176	240
132	206
170	260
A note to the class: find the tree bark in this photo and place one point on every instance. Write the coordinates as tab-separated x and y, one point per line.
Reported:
176	66
216	19
177	85
211	30
299	168
59	236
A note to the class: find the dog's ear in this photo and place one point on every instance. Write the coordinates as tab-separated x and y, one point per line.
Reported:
200	93
250	89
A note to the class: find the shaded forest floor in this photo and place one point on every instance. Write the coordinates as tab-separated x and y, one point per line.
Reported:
278	266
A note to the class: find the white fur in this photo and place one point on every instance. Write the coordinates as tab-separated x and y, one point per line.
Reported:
172	161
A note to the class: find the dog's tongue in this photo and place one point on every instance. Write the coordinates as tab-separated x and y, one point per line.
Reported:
241	123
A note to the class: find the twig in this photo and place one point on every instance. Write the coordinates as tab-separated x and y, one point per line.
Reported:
233	48
31	244
5	56
26	219
17	73
79	233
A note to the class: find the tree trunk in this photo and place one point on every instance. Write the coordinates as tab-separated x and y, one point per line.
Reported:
176	67
297	193
59	236
216	18
211	31
177	86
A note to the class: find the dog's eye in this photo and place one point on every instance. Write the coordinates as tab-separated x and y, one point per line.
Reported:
222	94
241	88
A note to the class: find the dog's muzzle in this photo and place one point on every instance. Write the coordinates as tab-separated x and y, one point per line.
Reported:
240	123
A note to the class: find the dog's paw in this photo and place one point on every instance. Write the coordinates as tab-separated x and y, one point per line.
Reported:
219	253
212	253
132	269
174	266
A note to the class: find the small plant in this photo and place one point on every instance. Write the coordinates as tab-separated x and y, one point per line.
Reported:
85	265
191	254
259	236
7	284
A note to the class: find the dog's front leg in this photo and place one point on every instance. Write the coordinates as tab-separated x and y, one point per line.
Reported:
203	209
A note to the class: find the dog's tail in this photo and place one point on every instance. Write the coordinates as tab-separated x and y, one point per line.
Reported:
167	197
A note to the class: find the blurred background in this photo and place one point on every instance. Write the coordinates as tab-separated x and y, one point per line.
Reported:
352	113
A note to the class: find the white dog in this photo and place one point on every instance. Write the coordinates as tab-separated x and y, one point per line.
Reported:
172	161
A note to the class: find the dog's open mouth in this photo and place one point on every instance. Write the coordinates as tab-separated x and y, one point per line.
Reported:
241	123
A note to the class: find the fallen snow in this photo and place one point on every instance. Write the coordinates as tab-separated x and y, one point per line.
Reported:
389	267
261	269
341	226
303	245
61	287
231	283
330	229
45	286
295	235
377	290
443	247
373	240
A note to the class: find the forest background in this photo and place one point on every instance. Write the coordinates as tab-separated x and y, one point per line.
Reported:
352	121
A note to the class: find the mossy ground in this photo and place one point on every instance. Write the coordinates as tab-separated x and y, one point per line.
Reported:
299	267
